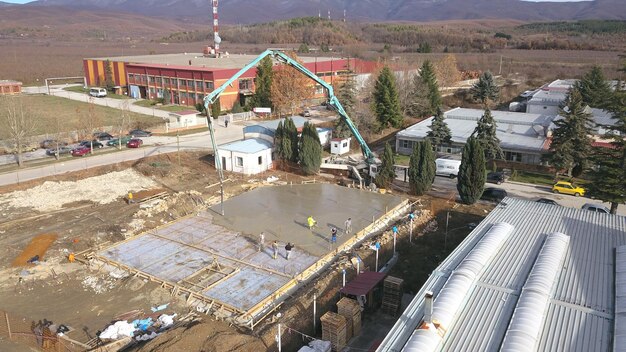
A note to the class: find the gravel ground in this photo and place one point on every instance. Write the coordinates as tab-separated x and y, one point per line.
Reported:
102	189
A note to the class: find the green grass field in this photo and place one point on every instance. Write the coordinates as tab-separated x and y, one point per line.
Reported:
170	108
80	89
50	109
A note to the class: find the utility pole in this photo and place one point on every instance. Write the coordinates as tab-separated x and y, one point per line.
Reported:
500	70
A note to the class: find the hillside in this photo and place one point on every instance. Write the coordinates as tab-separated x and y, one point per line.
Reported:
247	11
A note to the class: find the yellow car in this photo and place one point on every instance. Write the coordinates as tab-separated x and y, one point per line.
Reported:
568	188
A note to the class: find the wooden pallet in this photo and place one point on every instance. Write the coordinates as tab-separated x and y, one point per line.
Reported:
351	310
392	295
334	330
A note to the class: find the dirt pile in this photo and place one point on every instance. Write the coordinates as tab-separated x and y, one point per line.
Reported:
101	189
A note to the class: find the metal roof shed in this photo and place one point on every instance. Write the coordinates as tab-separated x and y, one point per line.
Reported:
363	283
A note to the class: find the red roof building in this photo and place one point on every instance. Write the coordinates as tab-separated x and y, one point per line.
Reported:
8	87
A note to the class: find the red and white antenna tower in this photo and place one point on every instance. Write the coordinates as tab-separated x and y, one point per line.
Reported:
216	37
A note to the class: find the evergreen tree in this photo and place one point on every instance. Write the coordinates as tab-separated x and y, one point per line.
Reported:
594	88
485	90
422	168
263	84
439	131
608	176
485	133
346	93
427	75
386	105
236	107
290	135
216	108
108	75
386	171
472	172
311	149
571	145
282	143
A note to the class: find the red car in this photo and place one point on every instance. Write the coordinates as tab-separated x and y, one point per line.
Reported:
134	143
81	151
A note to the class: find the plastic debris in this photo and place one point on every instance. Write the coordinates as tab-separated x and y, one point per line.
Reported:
146	337
142	324
161	307
166	320
118	330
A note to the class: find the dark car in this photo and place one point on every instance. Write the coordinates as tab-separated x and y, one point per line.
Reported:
134	143
119	141
102	136
62	150
139	133
89	144
494	194
52	143
547	201
81	151
495	177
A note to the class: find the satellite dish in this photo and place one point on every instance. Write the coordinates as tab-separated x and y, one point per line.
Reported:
217	39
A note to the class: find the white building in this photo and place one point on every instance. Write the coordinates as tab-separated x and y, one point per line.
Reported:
249	156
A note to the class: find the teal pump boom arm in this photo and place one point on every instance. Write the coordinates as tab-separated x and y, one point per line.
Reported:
284	58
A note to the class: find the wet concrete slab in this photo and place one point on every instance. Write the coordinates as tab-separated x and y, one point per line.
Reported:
281	212
241	273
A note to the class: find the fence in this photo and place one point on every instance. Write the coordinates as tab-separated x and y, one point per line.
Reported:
27	332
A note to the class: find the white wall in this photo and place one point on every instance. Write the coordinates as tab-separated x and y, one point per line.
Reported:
250	165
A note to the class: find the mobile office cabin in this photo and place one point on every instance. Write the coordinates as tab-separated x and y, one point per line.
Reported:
447	167
98	92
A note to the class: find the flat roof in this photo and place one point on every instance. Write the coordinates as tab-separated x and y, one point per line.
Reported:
233	61
249	146
515	130
9	82
580	310
547	97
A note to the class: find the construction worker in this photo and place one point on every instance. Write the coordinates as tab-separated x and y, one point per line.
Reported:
333	235
71	257
288	249
130	198
348	226
311	222
275	249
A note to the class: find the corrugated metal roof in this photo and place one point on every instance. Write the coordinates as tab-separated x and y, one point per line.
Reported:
581	308
620	300
514	129
251	146
363	283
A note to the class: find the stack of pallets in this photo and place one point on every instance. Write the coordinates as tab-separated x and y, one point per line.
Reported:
392	295
334	330
351	310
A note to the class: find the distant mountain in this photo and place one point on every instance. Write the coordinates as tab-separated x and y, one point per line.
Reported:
253	11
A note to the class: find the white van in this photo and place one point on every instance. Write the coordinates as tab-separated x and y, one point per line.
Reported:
447	167
98	92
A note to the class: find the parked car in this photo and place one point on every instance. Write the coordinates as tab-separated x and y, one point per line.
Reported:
62	150
547	201
568	188
306	113
139	133
98	92
494	194
597	208
495	177
116	141
102	136
134	143
52	143
89	144
81	151
26	147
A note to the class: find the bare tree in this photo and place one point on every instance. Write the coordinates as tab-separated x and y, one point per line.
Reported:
89	122
123	122
18	121
447	71
290	88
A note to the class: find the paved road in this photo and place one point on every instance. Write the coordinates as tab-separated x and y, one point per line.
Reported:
446	187
159	145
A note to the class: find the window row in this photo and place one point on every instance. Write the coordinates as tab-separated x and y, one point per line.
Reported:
168	81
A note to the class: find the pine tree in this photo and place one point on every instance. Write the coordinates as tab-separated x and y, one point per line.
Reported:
290	136
472	177
282	144
485	90
439	131
427	75
263	84
386	171
571	145
216	108
346	93
422	168
608	176
386	105
108	75
311	149
485	133
594	88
